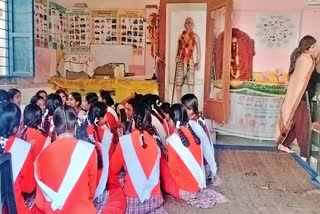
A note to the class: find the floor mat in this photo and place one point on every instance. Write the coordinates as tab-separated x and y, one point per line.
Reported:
259	182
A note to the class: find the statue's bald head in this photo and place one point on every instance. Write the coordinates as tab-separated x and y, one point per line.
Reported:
188	23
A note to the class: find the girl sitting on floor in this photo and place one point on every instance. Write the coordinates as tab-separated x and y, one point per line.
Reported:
32	131
53	102
15	96
182	172
39	101
197	123
111	117
21	157
71	186
139	154
158	118
75	101
109	199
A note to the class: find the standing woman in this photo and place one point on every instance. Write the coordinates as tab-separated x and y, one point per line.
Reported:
182	172
21	157
139	154
293	119
66	171
197	122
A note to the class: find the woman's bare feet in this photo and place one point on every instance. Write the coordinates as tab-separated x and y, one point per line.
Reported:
284	149
316	127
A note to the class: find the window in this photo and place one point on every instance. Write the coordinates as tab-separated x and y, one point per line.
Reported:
3	37
16	38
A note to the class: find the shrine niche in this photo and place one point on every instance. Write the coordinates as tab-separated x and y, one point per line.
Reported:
242	53
217	19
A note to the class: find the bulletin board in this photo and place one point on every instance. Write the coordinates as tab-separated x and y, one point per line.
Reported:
41	23
78	29
74	30
133	28
104	24
119	27
57	26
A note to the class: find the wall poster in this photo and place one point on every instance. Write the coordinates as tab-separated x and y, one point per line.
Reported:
277	30
57	26
41	23
78	29
133	28
104	24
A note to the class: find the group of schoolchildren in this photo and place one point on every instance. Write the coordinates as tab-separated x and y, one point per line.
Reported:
95	156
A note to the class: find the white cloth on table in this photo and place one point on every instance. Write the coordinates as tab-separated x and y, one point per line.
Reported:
77	63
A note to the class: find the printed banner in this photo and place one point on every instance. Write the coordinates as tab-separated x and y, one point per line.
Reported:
57	26
253	116
41	23
277	30
78	29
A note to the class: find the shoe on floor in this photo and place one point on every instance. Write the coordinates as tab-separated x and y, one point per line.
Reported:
284	149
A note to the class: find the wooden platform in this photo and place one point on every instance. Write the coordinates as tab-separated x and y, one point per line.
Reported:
122	87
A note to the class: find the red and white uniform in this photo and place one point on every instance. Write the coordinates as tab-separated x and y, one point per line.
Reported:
142	171
22	170
66	174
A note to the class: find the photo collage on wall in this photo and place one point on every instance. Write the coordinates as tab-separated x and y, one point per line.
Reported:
104	25
41	23
58	35
277	30
79	29
132	29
